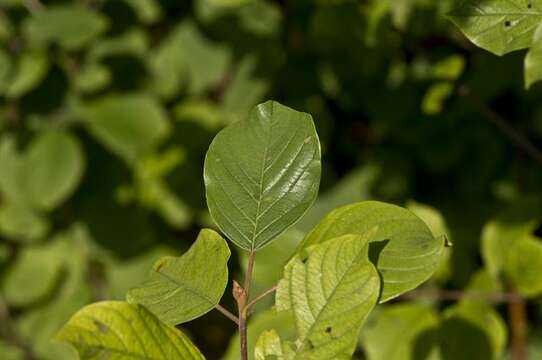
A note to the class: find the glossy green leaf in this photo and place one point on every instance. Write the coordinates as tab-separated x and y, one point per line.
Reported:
499	26
405	251
183	288
129	125
397	332
114	329
330	288
533	60
262	174
53	167
70	26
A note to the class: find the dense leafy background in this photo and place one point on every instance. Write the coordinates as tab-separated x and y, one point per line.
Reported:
107	108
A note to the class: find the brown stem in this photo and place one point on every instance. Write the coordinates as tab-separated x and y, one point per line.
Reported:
242	295
518	320
227	313
517	137
261	296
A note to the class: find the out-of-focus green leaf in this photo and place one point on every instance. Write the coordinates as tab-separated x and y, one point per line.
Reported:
187	57
149	11
21	223
126	330
134	42
405	251
262	174
53	167
5	70
244	91
129	125
71	26
525	266
330	288
355	186
397	332
10	352
92	77
436	95
501	234
32	276
124	275
449	68
533	60
269	344
499	26
183	288
472	330
31	70
11	164
281	322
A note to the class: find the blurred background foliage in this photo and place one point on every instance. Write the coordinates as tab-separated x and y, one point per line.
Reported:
107	108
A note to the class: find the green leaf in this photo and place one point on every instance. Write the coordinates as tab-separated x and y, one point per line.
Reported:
33	276
20	223
183	288
53	167
397	330
499	26
270	344
408	252
32	68
262	174
533	60
506	230
70	26
281	322
436	96
129	125
525	266
330	288
114	329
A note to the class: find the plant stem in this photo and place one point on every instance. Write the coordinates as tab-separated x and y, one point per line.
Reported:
242	296
227	313
518	320
261	296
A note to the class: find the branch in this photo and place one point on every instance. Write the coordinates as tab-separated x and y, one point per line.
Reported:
261	296
514	135
227	313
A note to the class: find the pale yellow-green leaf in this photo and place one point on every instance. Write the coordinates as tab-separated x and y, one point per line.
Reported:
186	287
330	288
118	330
32	66
403	248
533	60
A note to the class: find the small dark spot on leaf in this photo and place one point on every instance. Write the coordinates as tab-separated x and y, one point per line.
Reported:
329	329
304	260
507	23
310	344
101	326
529	5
